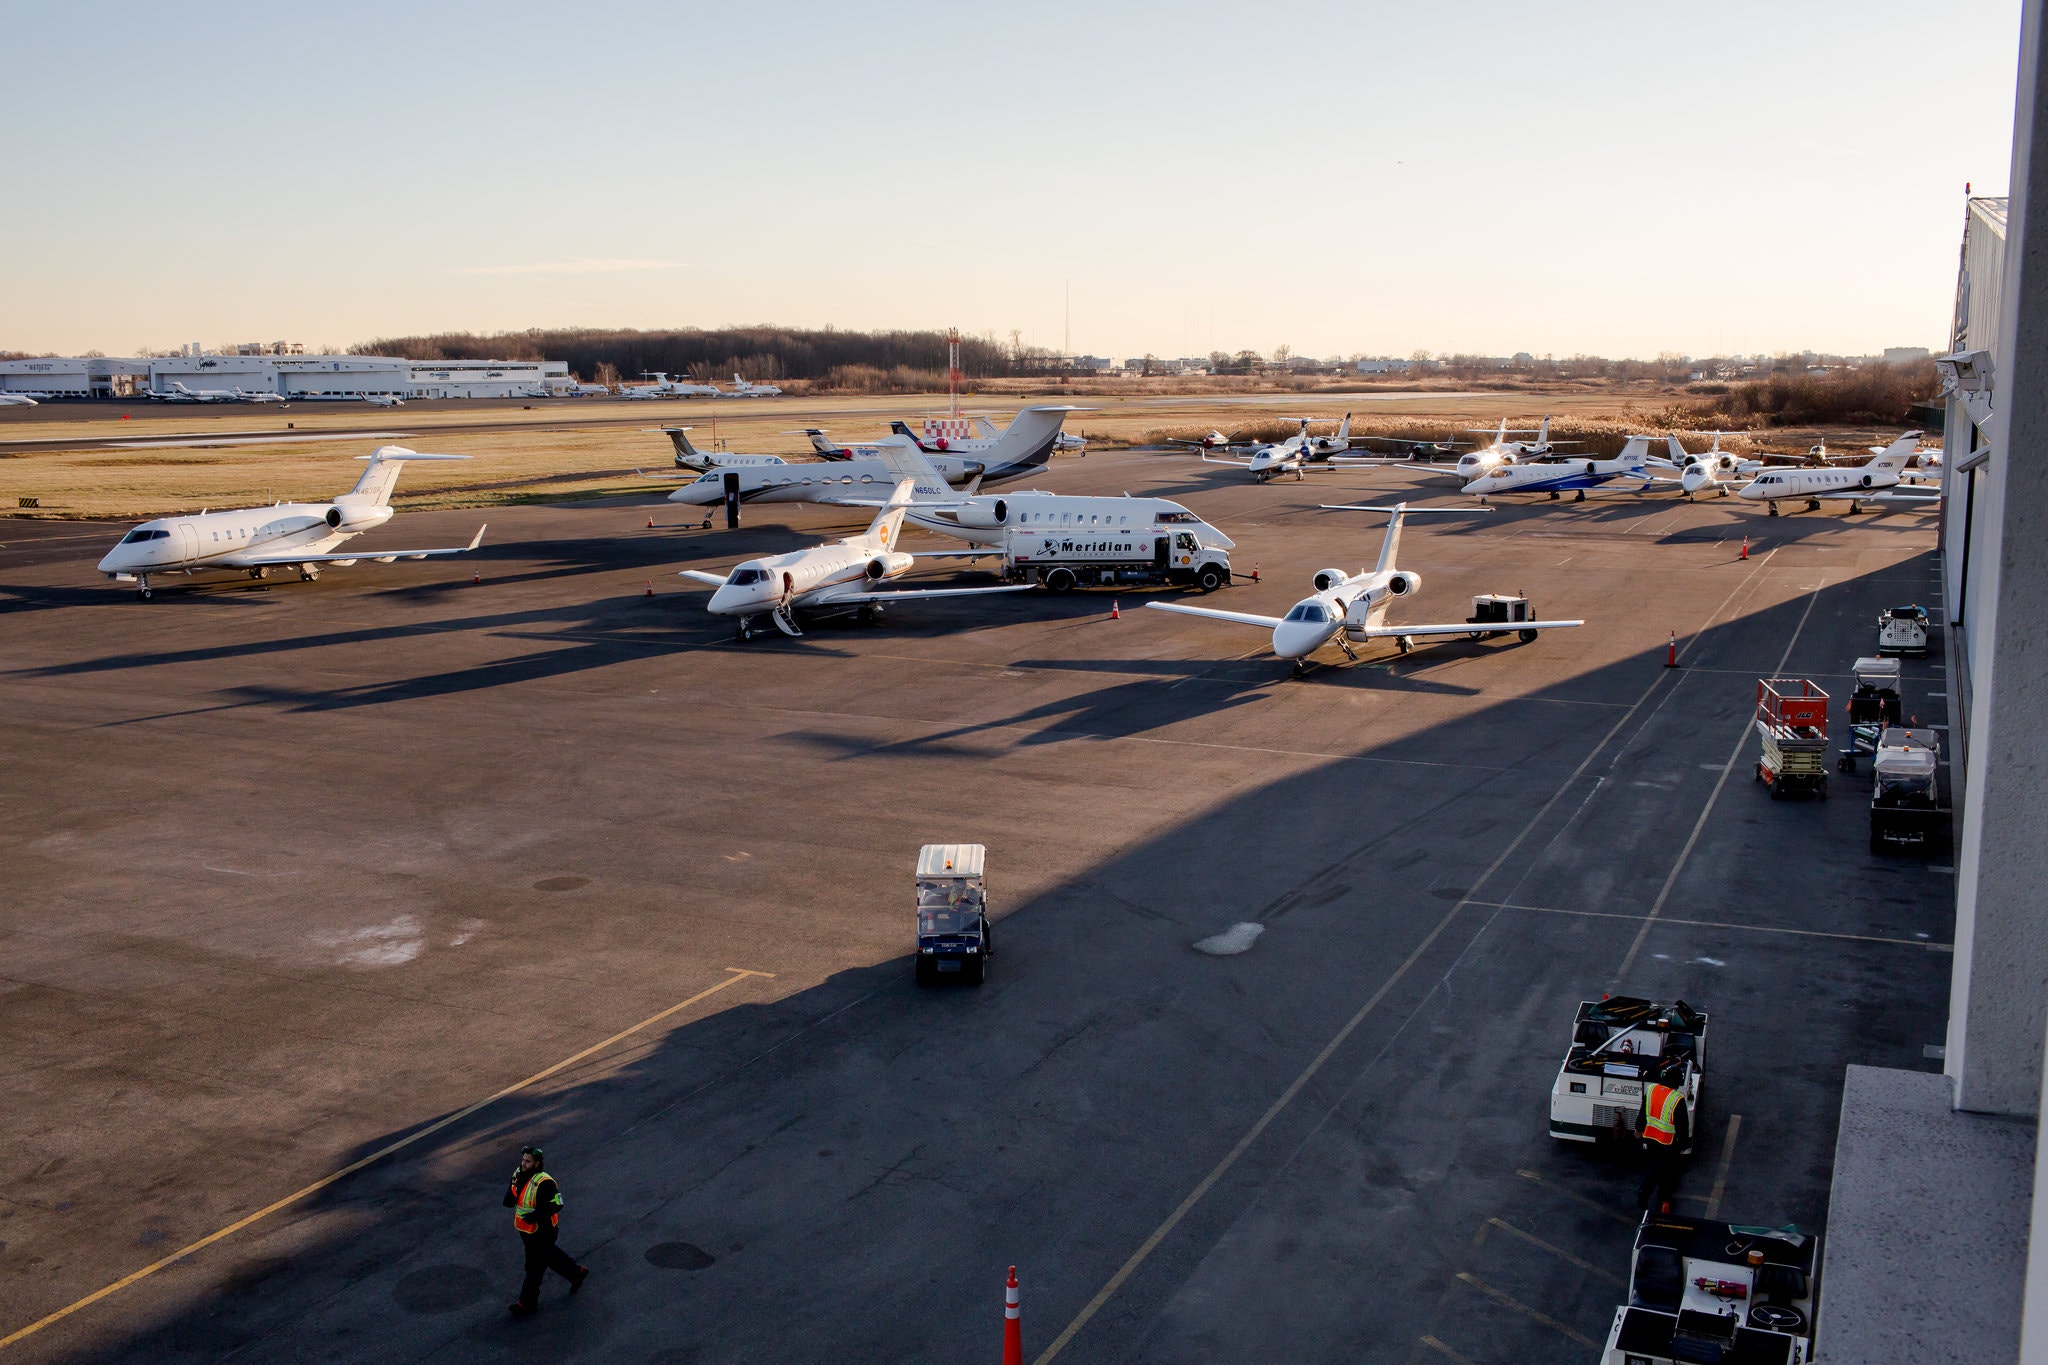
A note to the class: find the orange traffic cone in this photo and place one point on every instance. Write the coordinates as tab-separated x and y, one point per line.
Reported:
650	521
1114	614
650	587
1671	656
1745	549
1013	1328
476	575
1255	571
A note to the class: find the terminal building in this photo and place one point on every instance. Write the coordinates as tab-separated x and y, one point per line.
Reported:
291	376
1937	1237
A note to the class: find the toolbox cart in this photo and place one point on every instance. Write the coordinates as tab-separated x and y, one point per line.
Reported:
1619	1045
1501	612
1872	706
1902	630
1905	798
953	938
1792	718
1722	1292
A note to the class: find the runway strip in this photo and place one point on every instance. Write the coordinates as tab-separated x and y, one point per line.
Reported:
739	974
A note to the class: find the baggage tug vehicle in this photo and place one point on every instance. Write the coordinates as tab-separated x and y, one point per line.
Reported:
1715	1292
1619	1045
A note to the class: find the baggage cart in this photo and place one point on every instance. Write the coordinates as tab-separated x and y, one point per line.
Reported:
1792	721
1872	706
1700	1290
1501	612
1619	1045
1906	814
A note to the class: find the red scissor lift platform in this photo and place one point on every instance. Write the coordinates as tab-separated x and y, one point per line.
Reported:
1792	718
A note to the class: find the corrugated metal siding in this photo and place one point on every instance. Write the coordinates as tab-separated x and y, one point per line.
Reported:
1983	276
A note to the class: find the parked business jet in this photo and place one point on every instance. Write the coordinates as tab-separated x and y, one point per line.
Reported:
1215	440
833	577
828	449
989	519
1347	607
1501	450
1294	455
1024	448
242	395
1877	480
689	457
1710	471
257	539
382	400
17	400
180	394
742	389
1558	476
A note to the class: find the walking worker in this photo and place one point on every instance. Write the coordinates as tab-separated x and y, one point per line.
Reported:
1667	1132
536	1203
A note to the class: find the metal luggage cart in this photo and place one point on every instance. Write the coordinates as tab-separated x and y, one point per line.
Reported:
1792	719
1874	705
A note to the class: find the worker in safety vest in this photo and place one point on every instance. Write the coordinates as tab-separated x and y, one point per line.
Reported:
1666	1133
536	1203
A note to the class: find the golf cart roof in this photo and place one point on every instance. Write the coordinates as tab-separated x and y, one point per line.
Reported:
951	860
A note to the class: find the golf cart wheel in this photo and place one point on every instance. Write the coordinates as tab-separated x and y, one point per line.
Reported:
1210	579
1061	580
975	971
926	975
1528	637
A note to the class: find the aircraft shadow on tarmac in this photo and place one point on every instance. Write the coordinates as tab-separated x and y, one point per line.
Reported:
1369	674
805	1179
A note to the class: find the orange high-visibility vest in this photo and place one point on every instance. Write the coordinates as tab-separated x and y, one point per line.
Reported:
1660	1114
525	1216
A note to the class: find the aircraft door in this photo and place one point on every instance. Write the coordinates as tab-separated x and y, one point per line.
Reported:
188	542
732	499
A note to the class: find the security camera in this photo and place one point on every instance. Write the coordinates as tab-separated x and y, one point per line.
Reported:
1965	372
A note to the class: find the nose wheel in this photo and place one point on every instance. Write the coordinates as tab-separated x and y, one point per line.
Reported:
142	587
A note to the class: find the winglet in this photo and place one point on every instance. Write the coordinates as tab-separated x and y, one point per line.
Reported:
478	539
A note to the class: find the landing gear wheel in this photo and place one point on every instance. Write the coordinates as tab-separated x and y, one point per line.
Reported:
1774	509
1210	579
866	615
1581	497
259	573
1300	668
143	593
745	630
309	573
1404	643
1553	495
1813	504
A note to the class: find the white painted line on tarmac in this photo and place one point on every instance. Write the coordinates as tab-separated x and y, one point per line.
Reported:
1719	924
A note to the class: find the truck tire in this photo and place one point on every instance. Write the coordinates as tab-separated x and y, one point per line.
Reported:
1060	580
1210	579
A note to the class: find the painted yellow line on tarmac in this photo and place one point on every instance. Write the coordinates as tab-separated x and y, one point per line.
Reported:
1575	1196
1928	944
1727	1160
1559	1252
1446	1352
739	974
1525	1310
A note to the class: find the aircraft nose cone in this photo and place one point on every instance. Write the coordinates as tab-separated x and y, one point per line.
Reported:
1297	639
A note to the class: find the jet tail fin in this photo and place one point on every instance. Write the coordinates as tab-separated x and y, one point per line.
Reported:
1895	455
1344	428
883	531
376	483
686	454
904	459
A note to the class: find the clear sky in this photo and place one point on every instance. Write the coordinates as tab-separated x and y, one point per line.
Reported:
1360	176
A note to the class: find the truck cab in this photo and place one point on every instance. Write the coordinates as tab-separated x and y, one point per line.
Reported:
953	938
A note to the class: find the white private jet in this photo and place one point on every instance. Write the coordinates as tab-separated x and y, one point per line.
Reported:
829	449
833	577
1295	455
1349	607
1558	476
664	387
1502	451
742	389
257	539
382	400
243	395
689	457
1215	440
1877	480
1707	472
178	393
17	400
1023	448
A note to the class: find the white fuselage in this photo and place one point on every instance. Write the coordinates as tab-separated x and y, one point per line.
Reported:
1813	483
1353	603
233	540
16	400
804	578
1550	476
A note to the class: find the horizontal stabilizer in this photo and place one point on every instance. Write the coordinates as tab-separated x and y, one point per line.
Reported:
1463	628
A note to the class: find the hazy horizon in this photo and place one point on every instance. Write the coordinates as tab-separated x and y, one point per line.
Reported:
1478	178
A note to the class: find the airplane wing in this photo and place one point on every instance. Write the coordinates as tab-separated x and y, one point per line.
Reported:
716	580
1467	628
1243	618
1207	458
901	594
1889	495
381	556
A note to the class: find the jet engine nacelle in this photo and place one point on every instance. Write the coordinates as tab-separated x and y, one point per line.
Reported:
356	518
1327	579
984	512
1404	582
883	565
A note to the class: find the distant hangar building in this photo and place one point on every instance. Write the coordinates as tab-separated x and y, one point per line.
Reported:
294	377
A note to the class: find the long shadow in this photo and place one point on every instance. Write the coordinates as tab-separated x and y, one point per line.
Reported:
844	1173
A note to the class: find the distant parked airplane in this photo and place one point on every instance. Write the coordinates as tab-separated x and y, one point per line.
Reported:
742	389
1877	480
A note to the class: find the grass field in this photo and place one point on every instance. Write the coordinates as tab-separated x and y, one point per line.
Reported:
235	455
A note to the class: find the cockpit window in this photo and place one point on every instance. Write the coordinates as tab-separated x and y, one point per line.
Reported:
741	577
136	537
713	477
1309	611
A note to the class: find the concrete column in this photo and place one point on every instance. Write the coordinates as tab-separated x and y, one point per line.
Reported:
1998	1007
